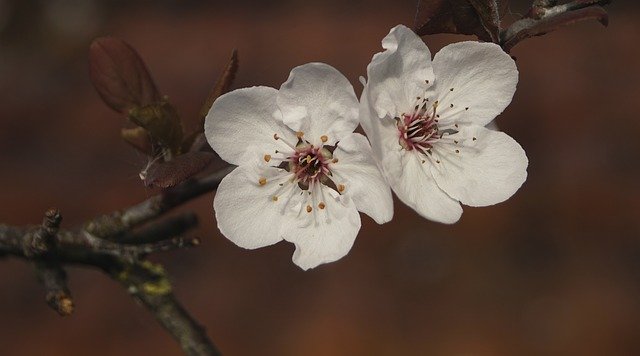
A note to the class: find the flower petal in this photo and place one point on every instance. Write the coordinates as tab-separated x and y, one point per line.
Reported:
416	187
244	118
400	73
319	101
245	211
489	168
381	132
328	238
357	168
483	78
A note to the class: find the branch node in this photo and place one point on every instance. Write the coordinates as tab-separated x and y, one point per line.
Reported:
43	239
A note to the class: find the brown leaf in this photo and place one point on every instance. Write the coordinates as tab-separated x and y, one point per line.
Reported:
489	15
120	76
162	122
222	86
176	171
468	17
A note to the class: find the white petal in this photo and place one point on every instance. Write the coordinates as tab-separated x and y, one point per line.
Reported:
409	178
399	74
381	132
244	118
486	171
245	211
324	240
357	170
416	187
483	78
319	101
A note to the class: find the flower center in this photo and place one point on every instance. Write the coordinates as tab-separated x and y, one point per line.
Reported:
308	174
310	164
419	130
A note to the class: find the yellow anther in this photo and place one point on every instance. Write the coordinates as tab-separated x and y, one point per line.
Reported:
262	181
335	160
341	188
274	198
308	159
309	208
321	205
267	158
299	134
324	138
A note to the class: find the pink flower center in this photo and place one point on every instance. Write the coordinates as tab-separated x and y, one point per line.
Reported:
310	164
418	131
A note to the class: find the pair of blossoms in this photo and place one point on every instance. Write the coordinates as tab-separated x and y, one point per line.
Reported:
303	174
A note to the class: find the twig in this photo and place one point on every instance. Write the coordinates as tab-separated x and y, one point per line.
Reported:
54	279
116	244
113	225
161	230
545	16
149	285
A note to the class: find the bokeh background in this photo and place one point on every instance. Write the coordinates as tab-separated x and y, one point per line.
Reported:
555	270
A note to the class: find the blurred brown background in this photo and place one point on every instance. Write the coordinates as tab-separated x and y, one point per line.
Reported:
555	270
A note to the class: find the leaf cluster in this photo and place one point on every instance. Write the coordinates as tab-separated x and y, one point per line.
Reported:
154	128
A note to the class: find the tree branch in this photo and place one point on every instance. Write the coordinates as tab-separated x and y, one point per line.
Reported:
545	16
117	244
113	225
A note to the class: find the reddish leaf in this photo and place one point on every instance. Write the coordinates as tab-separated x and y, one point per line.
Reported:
120	76
176	171
222	86
489	15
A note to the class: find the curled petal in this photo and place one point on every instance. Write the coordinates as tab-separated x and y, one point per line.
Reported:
244	118
400	73
488	168
318	101
474	81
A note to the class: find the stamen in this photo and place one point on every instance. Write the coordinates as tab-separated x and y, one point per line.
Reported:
321	205
309	208
262	181
324	138
341	188
274	198
267	158
276	137
299	134
335	160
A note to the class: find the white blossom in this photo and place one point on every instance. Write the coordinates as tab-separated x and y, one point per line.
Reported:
425	120
302	174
